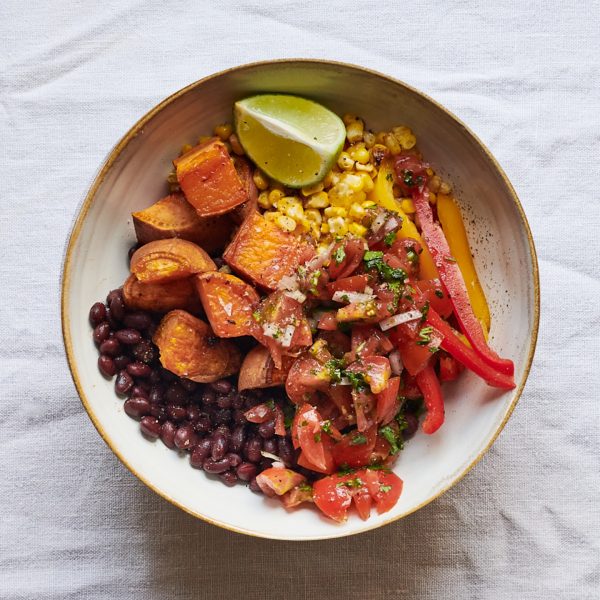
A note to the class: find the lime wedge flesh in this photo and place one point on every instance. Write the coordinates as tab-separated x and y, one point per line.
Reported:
293	140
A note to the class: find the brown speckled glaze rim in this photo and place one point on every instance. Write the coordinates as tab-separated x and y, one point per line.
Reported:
337	531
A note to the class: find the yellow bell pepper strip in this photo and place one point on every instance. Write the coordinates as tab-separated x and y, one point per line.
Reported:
454	230
383	195
452	279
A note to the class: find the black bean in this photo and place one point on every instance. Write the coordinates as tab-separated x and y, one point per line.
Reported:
266	430
229	478
176	413
222	386
159	411
219	262
122	361
222	416
285	451
237	401
117	293
238	437
208	397
101	332
137	320
175	394
234	459
238	417
252	449
246	471
166	375
137	407
192	413
97	314
150	426
117	308
167	434
154	376
111	347
145	351
265	463
138	369
200	453
129	337
112	320
270	445
219	446
216	466
123	383
106	365
156	394
224	401
139	391
203	423
254	486
412	424
186	437
188	385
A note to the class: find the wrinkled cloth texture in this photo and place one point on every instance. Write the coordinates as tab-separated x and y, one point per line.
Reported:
74	523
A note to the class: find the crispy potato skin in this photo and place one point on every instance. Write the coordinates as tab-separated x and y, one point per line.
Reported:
209	180
160	297
258	370
189	348
174	217
228	303
167	260
263	253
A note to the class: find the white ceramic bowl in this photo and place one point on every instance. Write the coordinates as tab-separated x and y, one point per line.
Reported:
134	176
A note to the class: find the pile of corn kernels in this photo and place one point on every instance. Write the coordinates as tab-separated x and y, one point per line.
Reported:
337	205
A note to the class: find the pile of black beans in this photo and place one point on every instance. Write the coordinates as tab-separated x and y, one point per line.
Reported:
206	421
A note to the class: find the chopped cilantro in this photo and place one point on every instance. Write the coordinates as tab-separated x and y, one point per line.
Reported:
389	177
357	380
395	440
390	238
317	437
345	470
412	257
425	336
425	311
439	293
270	404
335	369
401	420
385	488
409	179
378	468
351	483
373	259
257	316
326	426
358	440
339	255
313	281
305	487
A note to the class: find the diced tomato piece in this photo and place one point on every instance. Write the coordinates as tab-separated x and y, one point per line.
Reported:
332	499
341	396
337	342
364	402
408	252
279	421
355	448
388	403
434	400
328	321
450	368
259	413
363	502
315	444
356	283
433	292
376	371
385	488
358	311
305	377
346	257
298	495
408	386
278	480
415	357
381	451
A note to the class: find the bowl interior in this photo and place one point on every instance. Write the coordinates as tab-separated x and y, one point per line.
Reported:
134	177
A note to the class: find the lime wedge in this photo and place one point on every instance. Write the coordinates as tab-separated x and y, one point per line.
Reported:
293	140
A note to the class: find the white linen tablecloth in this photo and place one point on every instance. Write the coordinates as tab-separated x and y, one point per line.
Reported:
74	523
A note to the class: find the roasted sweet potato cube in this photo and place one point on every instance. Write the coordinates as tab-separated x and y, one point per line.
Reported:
167	260
160	297
174	217
228	303
189	348
258	370
209	180
264	253
244	170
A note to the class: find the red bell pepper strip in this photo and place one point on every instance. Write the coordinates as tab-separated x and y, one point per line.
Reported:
453	345
434	400
455	285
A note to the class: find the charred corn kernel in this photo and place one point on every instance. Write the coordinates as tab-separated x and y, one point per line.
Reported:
357	229
275	196
340	196
304	224
345	162
368	168
318	200
445	188
354	131
296	213
357	212
407	206
327	181
315	231
359	153
432	198
392	144
337	226
353	181
405	137
368	184
308	190
429	171
380	137
313	215
369	139
186	148
260	180
368	204
335	211
271	215
286	223
263	200
204	138
348	118
223	131
285	203
324	228
235	145
434	183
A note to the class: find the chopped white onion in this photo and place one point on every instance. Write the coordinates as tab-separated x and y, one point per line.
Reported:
295	295
378	222
271	456
288	282
349	297
391	224
344	381
270	330
395	362
288	334
411	315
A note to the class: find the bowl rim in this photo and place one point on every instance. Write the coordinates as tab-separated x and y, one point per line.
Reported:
87	201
